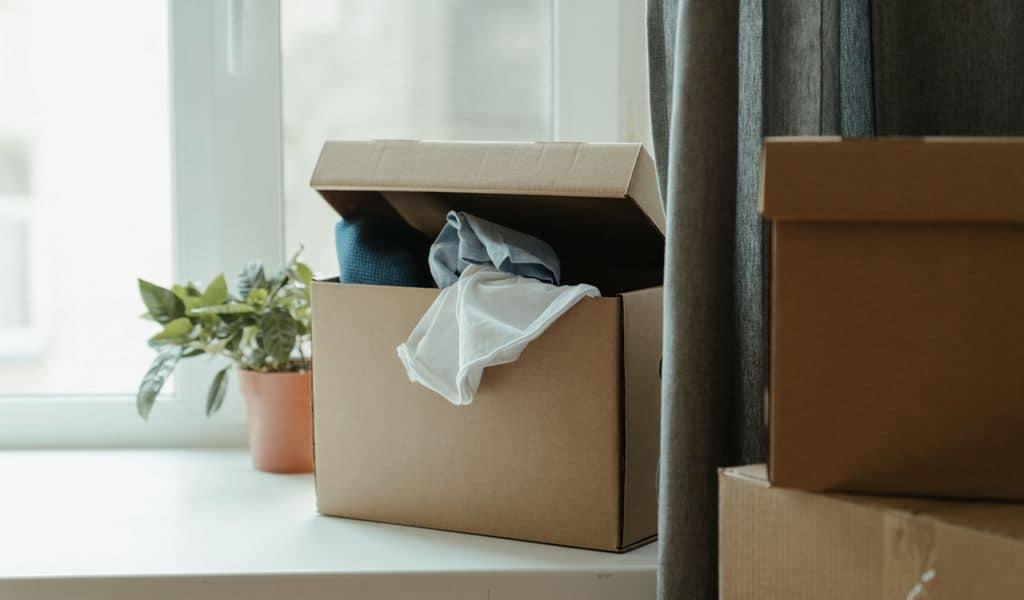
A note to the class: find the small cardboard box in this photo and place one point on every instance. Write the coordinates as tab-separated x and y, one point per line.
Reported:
560	446
785	543
897	315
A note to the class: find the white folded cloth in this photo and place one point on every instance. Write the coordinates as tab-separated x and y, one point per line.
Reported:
486	318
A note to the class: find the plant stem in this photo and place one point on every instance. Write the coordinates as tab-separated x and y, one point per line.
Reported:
302	356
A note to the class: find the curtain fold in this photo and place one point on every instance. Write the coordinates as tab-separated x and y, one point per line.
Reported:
699	181
723	75
948	68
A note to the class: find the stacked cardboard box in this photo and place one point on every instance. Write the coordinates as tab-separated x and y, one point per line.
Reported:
896	370
784	543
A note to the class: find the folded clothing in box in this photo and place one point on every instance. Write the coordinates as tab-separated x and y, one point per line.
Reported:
560	446
499	293
784	543
466	240
379	250
897	315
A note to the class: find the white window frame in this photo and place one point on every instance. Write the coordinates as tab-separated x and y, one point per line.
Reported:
226	165
228	193
25	341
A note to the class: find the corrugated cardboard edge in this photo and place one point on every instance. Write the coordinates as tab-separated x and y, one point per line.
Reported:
605	549
312	335
643	189
637	544
641	322
769	271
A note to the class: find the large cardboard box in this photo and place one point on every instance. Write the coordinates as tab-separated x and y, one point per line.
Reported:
560	446
784	543
897	315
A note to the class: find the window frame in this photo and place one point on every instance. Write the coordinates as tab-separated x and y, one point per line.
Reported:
227	185
225	95
26	341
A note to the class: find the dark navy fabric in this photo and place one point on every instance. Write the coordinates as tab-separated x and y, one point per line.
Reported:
381	251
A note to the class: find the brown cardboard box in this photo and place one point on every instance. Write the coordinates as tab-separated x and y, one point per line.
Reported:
560	446
784	543
897	315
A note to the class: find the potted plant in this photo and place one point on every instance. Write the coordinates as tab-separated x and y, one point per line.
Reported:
264	329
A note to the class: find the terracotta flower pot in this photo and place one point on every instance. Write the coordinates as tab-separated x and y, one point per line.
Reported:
279	411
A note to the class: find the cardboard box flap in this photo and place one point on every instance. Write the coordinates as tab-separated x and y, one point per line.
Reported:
978	180
641	323
596	204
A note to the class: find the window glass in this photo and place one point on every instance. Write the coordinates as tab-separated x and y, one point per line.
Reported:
85	202
445	69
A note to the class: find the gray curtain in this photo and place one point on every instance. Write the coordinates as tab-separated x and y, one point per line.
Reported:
723	75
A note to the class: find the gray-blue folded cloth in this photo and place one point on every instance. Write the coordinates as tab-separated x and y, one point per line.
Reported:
467	240
381	251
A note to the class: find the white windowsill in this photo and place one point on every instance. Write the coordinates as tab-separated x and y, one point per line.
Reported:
199	524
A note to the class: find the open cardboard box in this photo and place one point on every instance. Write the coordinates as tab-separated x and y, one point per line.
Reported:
783	543
560	446
897	315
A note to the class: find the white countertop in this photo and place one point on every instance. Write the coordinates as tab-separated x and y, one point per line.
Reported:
204	524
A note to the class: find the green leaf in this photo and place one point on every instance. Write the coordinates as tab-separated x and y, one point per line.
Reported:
279	331
302	273
174	332
163	305
186	292
192	353
257	297
231	308
218	388
234	339
216	346
216	292
208	322
251	277
154	379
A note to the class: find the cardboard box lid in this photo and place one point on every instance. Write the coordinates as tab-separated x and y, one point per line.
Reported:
596	204
937	179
